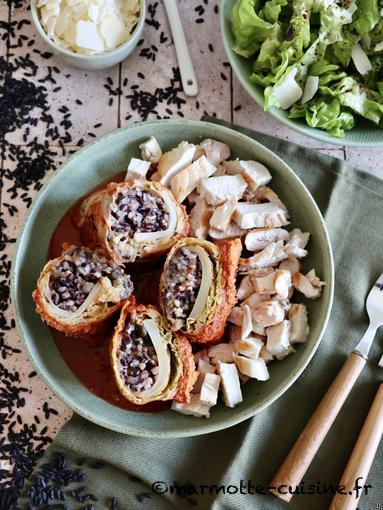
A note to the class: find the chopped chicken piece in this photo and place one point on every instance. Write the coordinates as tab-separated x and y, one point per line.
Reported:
232	231
290	264
246	287
193	198
201	355
194	408
247	322
299	323
250	347
235	333
188	179
258	329
209	389
254	173
230	384
255	299
217	190
309	285
268	313
137	169
200	219
262	271
150	150
297	243
236	316
215	151
282	283
222	215
254	368
203	368
265	284
198	152
221	352
172	162
250	215
220	171
266	355
278	338
269	256
285	303
258	239
264	193
285	353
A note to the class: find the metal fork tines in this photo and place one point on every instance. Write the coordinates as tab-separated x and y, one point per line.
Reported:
374	306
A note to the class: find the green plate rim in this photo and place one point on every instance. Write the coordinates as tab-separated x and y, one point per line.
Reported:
205	427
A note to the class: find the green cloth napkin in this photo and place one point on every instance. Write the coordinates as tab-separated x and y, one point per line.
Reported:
352	205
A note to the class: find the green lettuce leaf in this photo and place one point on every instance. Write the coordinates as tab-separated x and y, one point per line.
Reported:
248	28
367	17
326	115
272	9
358	101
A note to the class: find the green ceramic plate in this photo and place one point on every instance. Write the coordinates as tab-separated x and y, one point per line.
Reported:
364	134
82	172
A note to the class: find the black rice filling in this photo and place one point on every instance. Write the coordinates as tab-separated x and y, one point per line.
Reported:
73	278
183	278
138	363
138	210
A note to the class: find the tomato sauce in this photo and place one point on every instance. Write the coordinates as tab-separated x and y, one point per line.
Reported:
89	361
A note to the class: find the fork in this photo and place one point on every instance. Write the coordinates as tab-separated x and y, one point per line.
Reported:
302	453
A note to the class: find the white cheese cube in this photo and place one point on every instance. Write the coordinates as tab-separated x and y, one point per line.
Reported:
249	215
230	384
254	368
194	408
278	337
209	389
150	150
217	190
299	323
137	169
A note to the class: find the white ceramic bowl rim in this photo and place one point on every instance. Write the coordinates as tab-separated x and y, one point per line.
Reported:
81	56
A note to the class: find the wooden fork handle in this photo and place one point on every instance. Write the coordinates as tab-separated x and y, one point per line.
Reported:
302	453
362	457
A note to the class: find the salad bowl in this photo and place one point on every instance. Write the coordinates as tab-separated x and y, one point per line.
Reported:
364	134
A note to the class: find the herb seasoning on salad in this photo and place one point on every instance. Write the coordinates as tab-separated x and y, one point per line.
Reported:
321	60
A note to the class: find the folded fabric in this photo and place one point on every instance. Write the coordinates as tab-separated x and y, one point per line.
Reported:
131	472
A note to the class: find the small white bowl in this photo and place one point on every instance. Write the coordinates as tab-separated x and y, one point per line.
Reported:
93	62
